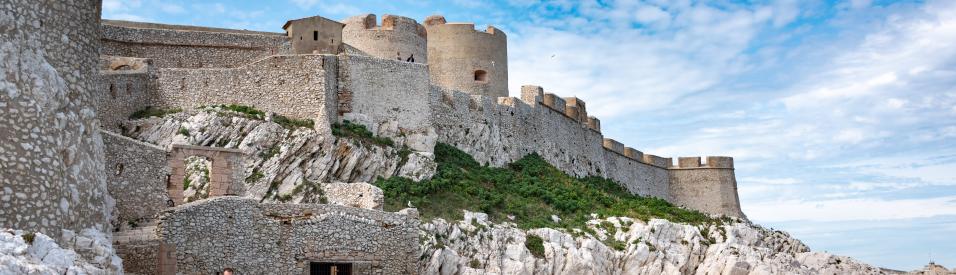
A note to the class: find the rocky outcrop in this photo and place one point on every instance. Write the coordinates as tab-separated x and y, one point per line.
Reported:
283	164
622	246
36	253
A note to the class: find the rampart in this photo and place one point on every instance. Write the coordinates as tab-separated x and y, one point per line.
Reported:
711	187
461	58
52	176
251	238
397	38
297	86
122	88
176	46
137	174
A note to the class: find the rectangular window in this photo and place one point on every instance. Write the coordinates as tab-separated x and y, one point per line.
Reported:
315	35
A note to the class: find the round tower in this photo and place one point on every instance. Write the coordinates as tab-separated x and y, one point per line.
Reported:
397	37
462	58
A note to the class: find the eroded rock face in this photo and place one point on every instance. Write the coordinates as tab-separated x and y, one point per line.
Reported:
288	165
24	253
476	246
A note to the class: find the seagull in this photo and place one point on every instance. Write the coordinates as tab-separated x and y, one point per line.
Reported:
410	204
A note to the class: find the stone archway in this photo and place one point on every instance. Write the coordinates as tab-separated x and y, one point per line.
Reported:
224	174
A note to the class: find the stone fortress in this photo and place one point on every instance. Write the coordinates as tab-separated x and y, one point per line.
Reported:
416	83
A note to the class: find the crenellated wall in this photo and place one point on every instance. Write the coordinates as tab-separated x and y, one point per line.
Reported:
397	38
177	46
710	187
464	59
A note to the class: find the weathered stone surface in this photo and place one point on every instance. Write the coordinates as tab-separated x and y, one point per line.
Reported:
654	247
358	194
42	254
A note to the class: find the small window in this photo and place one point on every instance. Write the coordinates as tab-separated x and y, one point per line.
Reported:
481	76
315	35
113	90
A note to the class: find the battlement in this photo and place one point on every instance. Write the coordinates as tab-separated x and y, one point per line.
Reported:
389	23
438	20
712	162
462	58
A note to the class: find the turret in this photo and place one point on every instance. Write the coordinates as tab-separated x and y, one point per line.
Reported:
397	37
462	58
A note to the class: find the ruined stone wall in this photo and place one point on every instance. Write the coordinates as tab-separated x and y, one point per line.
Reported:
137	175
174	46
457	52
297	86
710	187
119	93
51	159
397	38
393	96
254	238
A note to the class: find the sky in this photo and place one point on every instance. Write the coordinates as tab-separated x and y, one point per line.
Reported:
840	115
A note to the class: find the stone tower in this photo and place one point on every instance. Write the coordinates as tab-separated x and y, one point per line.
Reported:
314	35
52	174
462	58
397	37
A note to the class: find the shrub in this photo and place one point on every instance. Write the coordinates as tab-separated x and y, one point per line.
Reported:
536	245
183	131
359	132
474	263
256	175
291	123
151	111
28	237
247	111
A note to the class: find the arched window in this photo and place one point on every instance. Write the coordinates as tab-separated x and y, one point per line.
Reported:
481	76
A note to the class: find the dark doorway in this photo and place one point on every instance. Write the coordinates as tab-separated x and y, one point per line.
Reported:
330	268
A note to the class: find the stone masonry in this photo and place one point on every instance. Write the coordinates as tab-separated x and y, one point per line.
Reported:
225	178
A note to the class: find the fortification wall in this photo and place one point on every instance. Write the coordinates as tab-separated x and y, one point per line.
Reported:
391	95
461	58
710	188
174	46
137	177
297	86
397	38
636	176
52	175
119	93
254	238
314	35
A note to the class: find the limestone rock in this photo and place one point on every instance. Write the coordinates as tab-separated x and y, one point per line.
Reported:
23	253
358	194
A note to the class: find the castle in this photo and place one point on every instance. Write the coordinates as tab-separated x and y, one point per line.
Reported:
416	83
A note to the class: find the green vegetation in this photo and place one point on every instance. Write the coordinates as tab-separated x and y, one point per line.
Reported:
255	176
359	132
151	111
536	245
291	123
247	111
530	189
183	131
474	263
186	183
28	237
274	150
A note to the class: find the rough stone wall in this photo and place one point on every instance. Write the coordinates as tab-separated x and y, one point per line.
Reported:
710	188
137	174
456	51
119	93
254	238
51	159
637	177
297	86
314	35
174	46
226	175
397	38
393	94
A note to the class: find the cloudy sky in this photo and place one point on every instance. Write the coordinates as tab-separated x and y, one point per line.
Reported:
841	115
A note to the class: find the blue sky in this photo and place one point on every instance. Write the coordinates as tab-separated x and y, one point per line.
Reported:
841	115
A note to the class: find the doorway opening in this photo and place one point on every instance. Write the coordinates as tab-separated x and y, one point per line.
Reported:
330	268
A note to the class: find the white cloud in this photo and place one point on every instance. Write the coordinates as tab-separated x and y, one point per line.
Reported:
769	181
849	209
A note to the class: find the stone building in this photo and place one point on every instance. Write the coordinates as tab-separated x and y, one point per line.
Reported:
461	58
314	35
398	37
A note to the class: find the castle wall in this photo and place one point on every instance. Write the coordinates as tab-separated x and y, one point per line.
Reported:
710	188
397	38
456	52
51	158
118	94
137	177
297	86
254	238
174	46
393	94
637	177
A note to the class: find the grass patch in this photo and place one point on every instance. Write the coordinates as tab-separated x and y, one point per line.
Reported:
28	237
530	189
256	175
151	111
359	132
291	123
247	111
183	131
536	245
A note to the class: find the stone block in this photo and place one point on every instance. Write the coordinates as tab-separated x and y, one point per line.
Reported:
633	154
688	162
614	145
720	162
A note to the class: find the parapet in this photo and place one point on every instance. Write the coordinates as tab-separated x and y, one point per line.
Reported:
614	145
575	108
532	94
712	162
658	161
397	37
633	154
554	102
